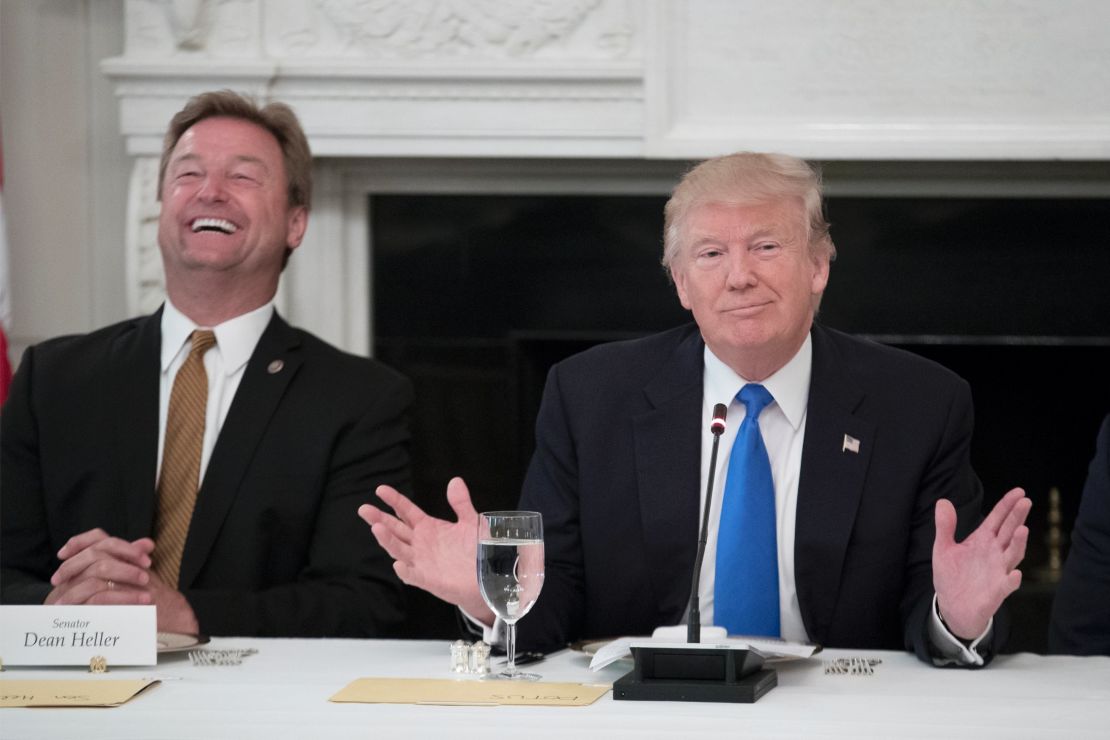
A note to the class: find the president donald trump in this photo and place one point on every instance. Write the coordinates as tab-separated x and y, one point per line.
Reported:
845	510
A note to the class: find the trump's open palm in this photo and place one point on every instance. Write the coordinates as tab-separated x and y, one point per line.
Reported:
972	578
432	554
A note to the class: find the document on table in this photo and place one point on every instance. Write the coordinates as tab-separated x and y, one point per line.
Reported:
462	692
90	692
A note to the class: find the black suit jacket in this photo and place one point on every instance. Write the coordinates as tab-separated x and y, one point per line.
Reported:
275	546
616	477
1080	623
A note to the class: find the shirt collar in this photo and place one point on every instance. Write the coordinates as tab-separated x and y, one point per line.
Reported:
789	385
235	338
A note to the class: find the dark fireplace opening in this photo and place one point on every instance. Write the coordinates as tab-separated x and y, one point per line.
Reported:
475	296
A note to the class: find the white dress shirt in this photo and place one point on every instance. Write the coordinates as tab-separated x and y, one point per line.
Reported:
224	363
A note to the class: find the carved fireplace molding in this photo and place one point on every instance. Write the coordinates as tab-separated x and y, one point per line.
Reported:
537	95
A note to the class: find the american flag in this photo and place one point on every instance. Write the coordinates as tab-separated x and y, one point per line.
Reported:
851	444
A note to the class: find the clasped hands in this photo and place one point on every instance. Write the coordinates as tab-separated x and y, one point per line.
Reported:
100	569
971	578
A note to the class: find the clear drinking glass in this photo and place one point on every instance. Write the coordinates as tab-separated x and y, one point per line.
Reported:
510	572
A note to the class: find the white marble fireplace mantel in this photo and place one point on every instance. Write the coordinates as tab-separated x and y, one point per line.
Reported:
457	95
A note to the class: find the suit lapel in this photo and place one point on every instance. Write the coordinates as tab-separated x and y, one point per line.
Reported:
256	400
668	454
831	483
135	358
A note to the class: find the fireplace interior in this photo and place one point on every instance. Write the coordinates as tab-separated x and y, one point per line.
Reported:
475	296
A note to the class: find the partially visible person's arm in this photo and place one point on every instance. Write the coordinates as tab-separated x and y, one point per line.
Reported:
1080	623
27	558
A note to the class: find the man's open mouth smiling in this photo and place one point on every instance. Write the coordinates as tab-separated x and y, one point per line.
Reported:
221	225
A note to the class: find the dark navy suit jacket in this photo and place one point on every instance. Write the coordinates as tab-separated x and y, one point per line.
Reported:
275	547
1081	612
616	477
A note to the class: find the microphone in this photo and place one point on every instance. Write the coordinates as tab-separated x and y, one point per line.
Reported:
693	624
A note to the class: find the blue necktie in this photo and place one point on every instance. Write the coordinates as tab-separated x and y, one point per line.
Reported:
746	587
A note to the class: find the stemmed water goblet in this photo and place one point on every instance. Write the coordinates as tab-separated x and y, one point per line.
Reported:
510	572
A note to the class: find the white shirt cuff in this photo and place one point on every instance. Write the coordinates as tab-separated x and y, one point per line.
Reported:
490	635
951	649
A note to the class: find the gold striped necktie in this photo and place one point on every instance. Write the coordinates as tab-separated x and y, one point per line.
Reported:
180	478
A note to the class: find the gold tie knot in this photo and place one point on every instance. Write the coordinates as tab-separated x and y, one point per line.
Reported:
202	340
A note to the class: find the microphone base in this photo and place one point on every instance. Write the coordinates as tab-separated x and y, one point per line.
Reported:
695	674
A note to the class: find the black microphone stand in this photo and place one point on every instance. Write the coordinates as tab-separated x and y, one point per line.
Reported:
694	672
693	623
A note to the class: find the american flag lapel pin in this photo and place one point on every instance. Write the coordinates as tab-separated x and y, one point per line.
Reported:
851	444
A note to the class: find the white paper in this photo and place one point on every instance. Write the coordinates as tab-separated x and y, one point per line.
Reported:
613	651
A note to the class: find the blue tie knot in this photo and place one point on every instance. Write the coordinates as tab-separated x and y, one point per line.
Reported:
755	398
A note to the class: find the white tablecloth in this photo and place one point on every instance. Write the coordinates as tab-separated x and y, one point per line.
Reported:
283	691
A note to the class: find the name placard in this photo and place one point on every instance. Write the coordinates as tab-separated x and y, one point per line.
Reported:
73	635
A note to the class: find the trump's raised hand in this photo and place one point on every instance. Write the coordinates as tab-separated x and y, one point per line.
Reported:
972	578
433	554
